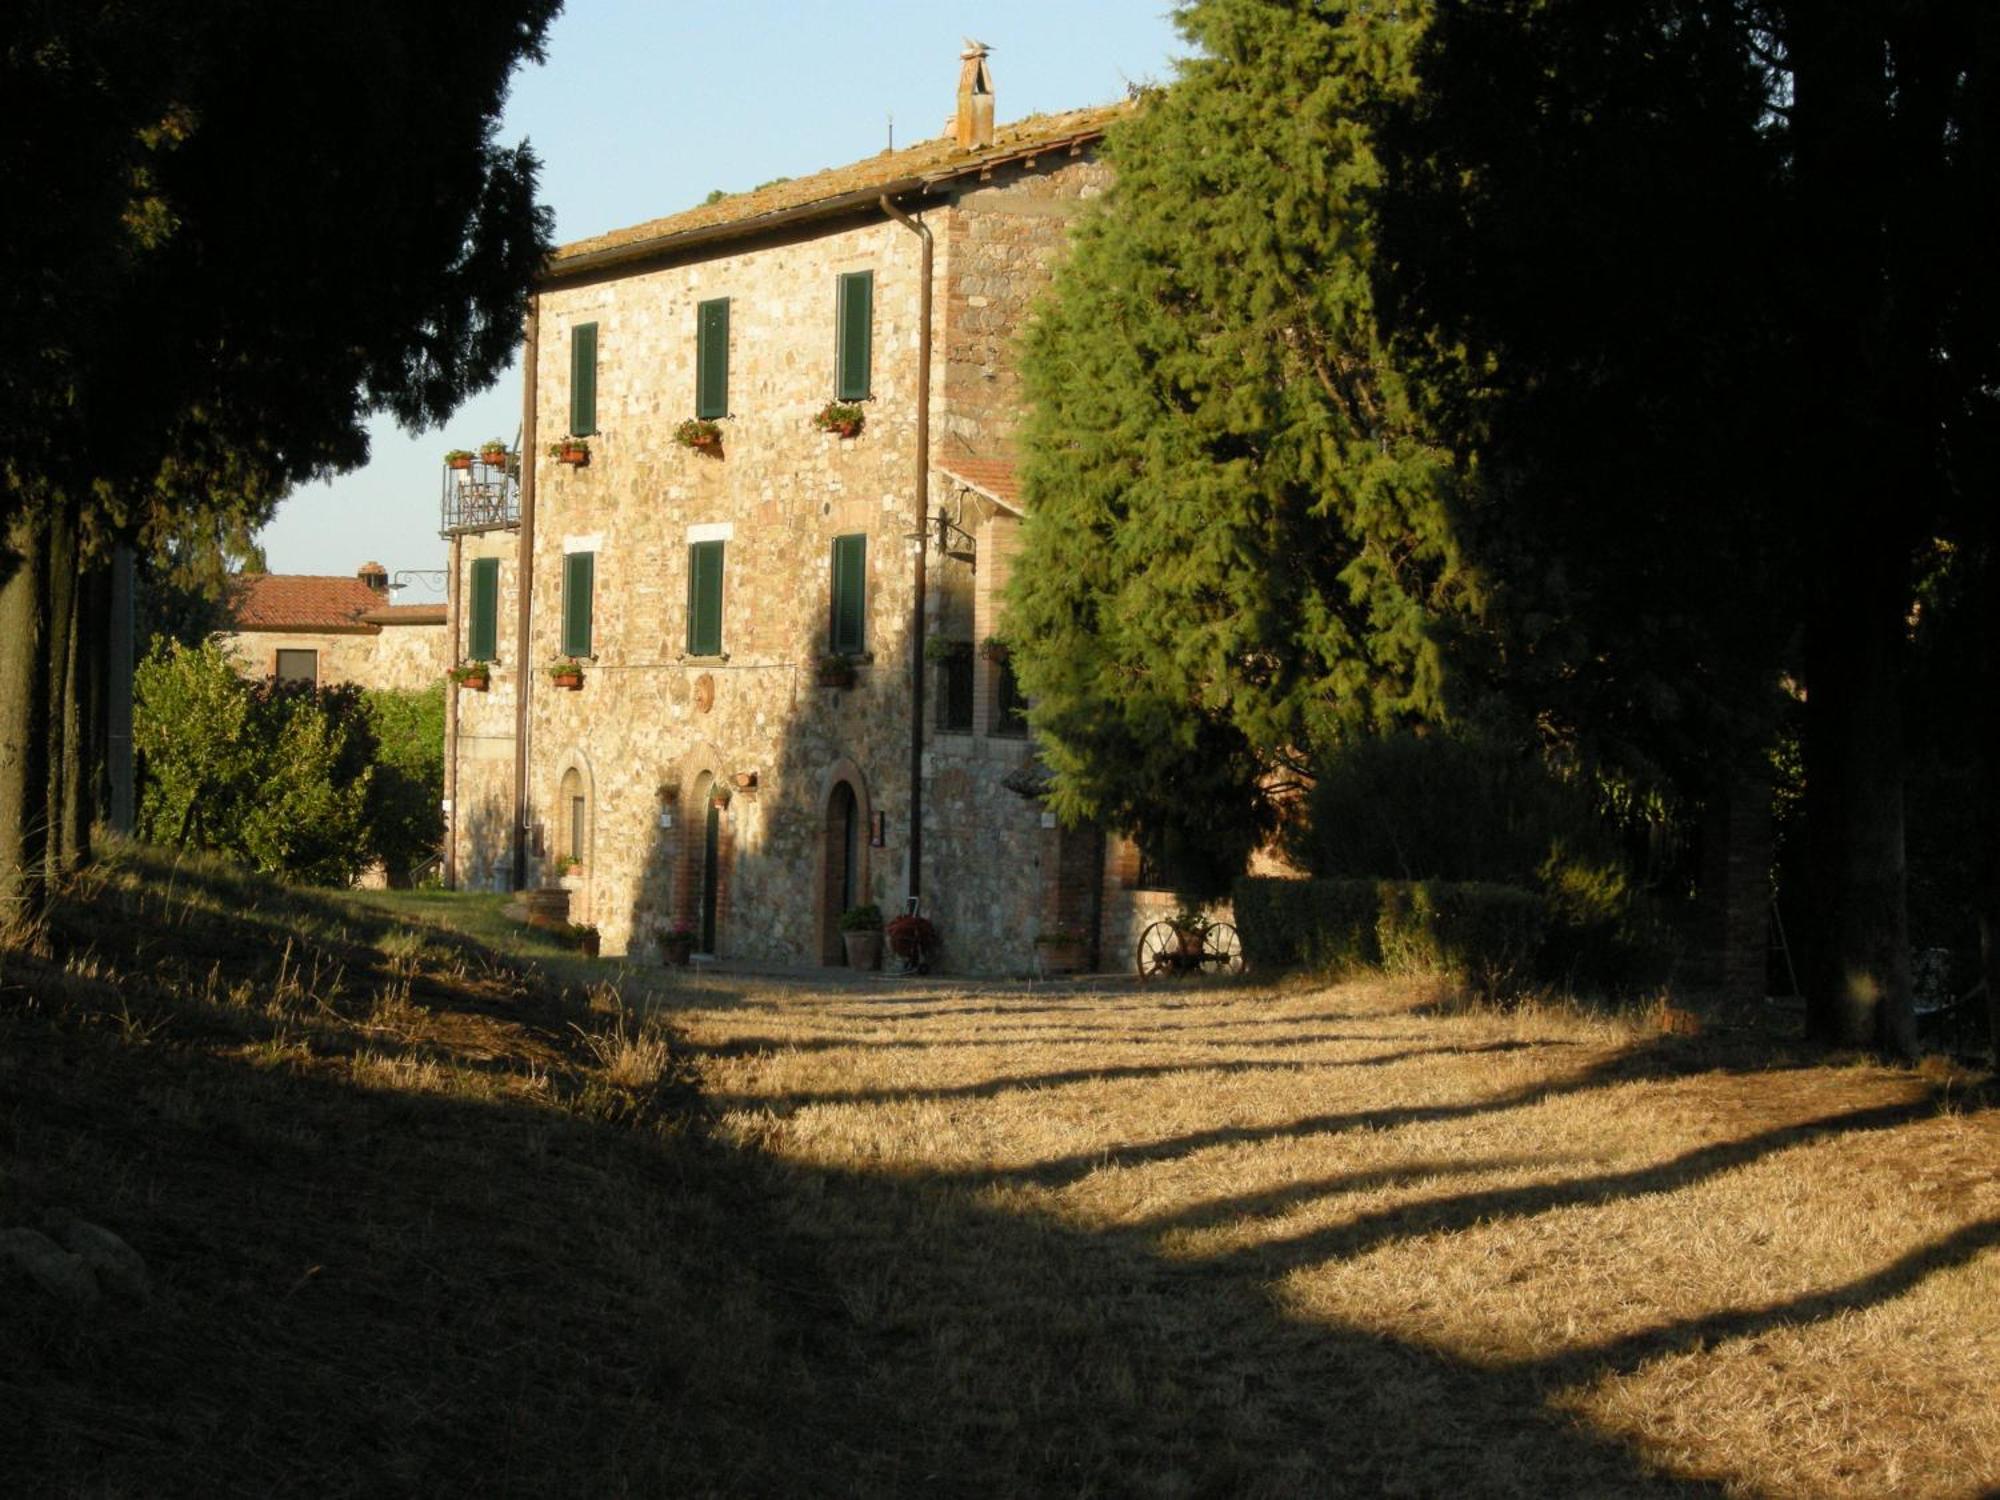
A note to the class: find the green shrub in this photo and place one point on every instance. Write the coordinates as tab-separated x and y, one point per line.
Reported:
405	803
1470	811
275	775
1345	926
1485	936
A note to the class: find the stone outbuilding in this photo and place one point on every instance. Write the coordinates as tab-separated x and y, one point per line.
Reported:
307	628
738	592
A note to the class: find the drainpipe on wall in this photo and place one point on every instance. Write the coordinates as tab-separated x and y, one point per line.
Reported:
524	579
923	492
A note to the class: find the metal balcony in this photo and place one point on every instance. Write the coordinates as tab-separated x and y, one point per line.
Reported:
484	497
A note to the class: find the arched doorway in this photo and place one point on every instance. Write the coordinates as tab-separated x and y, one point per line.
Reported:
846	877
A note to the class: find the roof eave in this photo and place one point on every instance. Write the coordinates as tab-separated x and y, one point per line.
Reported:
613	257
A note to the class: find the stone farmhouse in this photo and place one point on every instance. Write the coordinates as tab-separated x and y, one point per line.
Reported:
773	551
304	628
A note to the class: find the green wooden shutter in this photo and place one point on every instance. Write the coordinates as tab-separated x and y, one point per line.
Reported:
482	641
583	380
855	328
705	599
579	577
849	635
711	340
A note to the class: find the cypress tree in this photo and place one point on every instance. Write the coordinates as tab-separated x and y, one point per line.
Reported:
1240	544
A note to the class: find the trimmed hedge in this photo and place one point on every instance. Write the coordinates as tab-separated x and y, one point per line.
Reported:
1487	936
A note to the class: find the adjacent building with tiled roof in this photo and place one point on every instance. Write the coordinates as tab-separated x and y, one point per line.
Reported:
303	627
765	510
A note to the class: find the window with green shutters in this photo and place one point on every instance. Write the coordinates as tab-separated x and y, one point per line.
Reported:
849	634
579	578
705	598
854	324
711	358
583	380
482	616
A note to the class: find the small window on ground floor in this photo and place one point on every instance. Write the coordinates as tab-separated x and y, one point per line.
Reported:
955	689
299	666
1010	706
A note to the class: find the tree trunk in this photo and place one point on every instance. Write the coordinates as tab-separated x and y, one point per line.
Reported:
1861	468
63	761
1858	990
84	749
24	721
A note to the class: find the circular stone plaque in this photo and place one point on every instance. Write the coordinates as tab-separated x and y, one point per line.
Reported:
704	692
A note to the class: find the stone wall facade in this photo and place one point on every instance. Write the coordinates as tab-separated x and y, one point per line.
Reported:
480	818
800	790
403	657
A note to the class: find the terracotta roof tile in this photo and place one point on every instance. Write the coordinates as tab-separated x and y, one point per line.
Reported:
298	601
934	160
993	477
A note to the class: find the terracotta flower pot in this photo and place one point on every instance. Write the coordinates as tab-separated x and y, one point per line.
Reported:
676	948
864	949
570	681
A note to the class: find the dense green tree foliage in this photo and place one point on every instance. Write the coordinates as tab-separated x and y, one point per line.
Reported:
275	775
241	229
1240	546
1700	289
312	783
406	797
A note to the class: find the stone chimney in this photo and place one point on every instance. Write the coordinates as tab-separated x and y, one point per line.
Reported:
973	125
375	576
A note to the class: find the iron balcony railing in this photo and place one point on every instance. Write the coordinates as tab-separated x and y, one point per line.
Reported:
484	497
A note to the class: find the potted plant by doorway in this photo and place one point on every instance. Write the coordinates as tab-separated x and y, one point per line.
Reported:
861	935
677	942
585	936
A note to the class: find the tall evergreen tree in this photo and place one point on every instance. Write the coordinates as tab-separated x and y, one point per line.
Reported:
1239	547
1699	285
244	229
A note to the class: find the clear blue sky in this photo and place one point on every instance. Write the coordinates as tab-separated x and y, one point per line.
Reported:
645	105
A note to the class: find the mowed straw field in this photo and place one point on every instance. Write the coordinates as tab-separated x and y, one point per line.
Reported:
429	1206
1305	1240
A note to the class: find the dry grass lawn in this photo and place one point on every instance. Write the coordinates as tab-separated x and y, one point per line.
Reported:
1237	1240
446	1212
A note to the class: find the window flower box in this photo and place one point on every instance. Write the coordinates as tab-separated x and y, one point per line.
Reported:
841	418
701	434
573	451
474	676
567	675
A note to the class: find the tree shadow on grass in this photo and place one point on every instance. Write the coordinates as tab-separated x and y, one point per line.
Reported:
993	1088
1465	1210
1661	1058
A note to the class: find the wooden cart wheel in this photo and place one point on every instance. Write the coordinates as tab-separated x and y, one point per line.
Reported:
1159	951
1221	950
